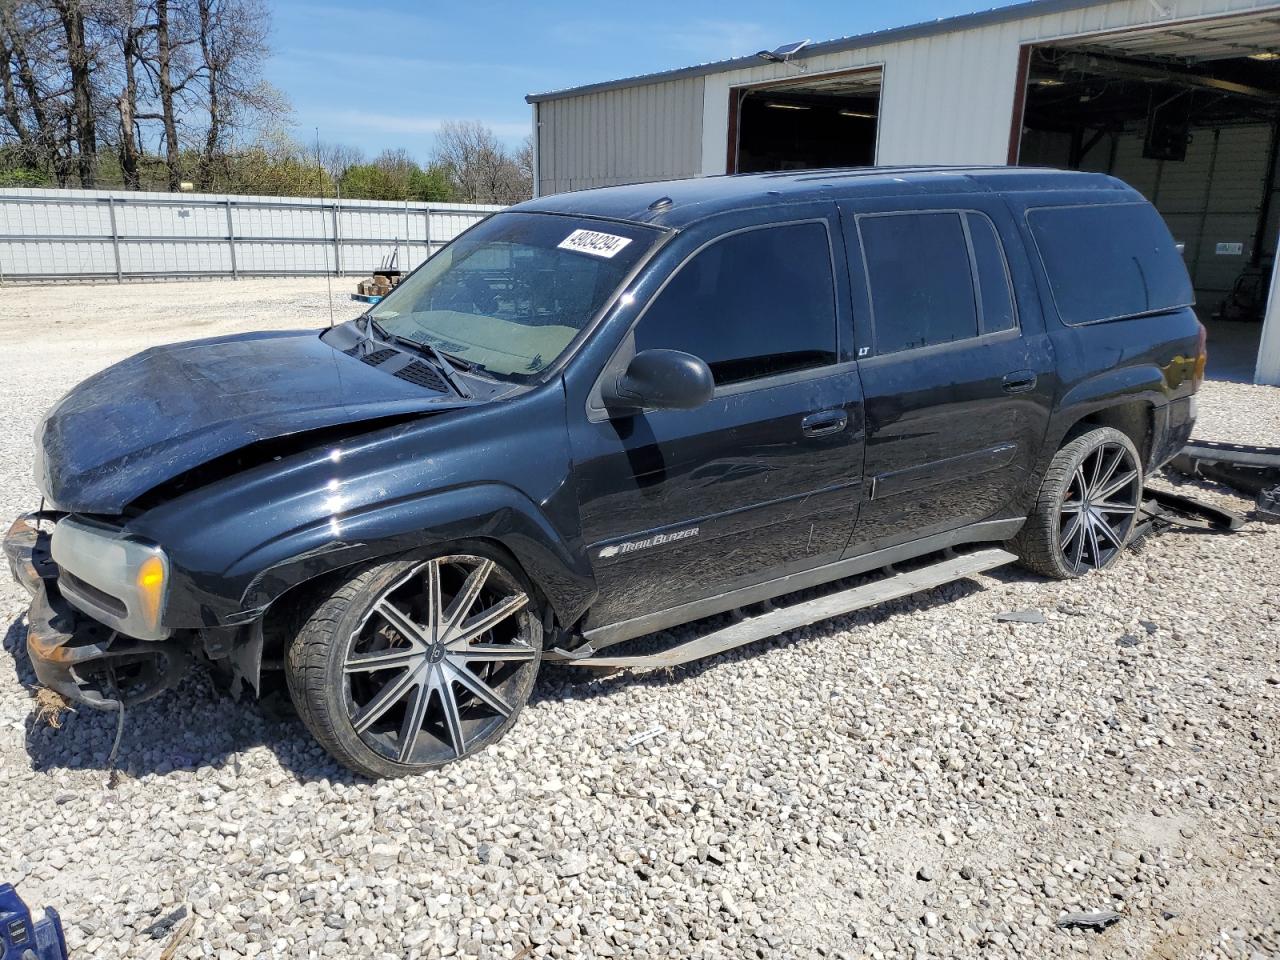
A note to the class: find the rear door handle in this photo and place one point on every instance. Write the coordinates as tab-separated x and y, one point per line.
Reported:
1020	381
823	423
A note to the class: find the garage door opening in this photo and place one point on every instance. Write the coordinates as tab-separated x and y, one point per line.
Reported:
1187	114
805	124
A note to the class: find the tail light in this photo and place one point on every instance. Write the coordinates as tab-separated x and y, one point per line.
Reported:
1202	357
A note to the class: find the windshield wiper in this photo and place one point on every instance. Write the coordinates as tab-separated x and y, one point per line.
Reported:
372	326
444	361
441	361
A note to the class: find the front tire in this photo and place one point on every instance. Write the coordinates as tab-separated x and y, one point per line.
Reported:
1086	509
411	664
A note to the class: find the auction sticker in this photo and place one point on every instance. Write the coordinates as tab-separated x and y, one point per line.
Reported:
594	242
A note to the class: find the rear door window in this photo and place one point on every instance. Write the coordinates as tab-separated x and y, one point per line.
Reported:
751	305
1108	261
920	279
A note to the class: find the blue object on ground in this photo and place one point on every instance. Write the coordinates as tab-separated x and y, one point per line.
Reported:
21	937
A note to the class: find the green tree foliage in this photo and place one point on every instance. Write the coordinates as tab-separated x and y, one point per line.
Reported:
394	176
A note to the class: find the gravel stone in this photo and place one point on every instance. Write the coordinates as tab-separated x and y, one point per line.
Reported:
798	789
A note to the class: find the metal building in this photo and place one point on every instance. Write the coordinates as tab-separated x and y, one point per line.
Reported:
1181	98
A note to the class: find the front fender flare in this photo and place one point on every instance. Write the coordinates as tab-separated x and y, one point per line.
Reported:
489	511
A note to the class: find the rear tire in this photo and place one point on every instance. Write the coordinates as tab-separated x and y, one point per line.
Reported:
411	664
1086	509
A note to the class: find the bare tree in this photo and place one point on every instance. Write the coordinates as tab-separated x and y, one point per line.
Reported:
71	14
164	71
337	158
131	33
36	86
233	46
524	161
481	169
12	111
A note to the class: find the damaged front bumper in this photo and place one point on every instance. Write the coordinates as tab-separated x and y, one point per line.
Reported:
73	654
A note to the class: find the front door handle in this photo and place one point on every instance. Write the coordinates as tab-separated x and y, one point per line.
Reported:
823	423
1020	381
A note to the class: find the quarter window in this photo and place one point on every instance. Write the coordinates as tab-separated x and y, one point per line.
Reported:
750	305
1109	261
993	276
920	279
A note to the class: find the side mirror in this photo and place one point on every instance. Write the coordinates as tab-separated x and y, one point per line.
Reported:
660	380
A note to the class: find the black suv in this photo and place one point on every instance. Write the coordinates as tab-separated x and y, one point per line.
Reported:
599	415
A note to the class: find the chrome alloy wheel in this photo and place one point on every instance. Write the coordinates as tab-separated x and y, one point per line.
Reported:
432	669
1099	507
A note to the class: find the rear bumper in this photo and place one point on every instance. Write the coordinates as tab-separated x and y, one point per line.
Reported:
68	649
1179	419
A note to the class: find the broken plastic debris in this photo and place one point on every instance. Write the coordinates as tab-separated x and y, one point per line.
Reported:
639	738
1098	920
1021	616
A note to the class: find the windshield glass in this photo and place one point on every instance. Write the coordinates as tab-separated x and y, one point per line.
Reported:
511	293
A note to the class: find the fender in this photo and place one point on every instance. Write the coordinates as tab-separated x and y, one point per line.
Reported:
1142	383
238	542
490	511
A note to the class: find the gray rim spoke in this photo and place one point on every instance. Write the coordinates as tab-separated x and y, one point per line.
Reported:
381	659
483	622
433	599
1078	560
415	713
478	688
452	721
1109	472
1099	456
403	625
1117	485
391	693
1105	529
492	651
466	598
1072	531
1081	485
1107	507
1092	532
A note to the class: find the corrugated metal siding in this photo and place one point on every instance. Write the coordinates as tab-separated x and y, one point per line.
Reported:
649	132
69	234
946	98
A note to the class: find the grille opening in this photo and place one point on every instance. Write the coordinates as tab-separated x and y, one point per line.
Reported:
424	376
372	359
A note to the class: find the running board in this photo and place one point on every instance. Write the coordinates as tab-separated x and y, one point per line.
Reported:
782	619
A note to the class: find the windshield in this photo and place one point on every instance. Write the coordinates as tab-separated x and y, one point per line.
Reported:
511	293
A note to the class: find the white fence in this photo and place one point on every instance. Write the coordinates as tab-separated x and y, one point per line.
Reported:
125	235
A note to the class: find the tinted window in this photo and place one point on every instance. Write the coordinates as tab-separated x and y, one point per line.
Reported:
993	276
750	305
920	279
1109	261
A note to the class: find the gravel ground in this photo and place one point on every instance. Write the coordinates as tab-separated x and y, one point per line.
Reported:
914	780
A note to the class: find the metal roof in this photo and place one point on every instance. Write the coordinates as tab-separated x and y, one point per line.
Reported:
678	203
968	21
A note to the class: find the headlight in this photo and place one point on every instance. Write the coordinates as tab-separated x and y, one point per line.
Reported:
117	581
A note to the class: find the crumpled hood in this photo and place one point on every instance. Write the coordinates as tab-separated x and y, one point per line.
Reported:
168	409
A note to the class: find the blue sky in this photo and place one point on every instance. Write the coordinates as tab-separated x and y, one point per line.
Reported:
387	73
